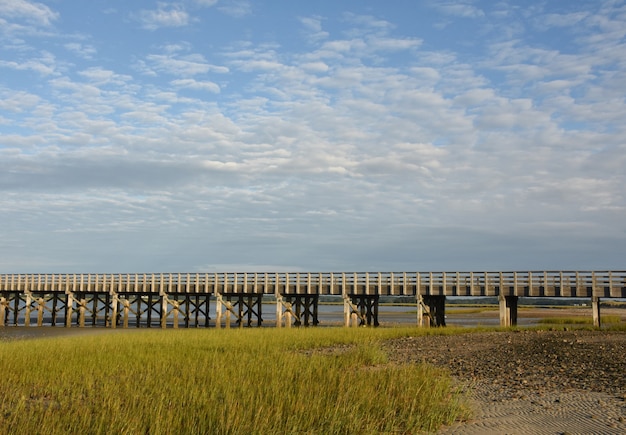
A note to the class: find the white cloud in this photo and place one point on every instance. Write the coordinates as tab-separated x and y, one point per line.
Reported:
563	20
463	9
17	101
32	12
205	3
81	50
313	25
315	67
366	23
184	66
236	8
166	15
44	65
197	85
102	76
216	154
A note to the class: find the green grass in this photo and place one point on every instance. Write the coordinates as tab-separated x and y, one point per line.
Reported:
577	320
258	381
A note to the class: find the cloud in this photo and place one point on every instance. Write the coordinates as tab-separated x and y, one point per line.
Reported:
197	85
103	76
235	8
31	12
206	3
199	156
313	28
81	50
562	20
166	15
17	101
463	9
184	66
44	64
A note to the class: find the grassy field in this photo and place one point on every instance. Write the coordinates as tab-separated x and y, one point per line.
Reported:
258	381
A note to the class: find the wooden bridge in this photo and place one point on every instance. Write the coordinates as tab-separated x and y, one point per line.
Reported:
173	299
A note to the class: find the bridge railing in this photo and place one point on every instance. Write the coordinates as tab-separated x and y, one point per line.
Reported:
611	284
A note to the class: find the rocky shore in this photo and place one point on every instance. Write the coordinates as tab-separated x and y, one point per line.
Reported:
531	382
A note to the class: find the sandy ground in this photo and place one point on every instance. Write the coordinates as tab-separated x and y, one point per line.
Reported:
531	382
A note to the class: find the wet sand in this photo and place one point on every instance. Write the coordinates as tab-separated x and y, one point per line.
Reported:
8	333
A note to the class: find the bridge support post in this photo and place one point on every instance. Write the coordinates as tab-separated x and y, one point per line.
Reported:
279	311
126	311
422	313
595	312
69	309
218	311
163	309
362	309
248	306
508	310
437	309
114	307
41	305
3	310
82	309
288	315
305	309
176	311
27	308
244	307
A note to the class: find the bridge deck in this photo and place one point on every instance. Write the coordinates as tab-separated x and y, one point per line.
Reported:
583	284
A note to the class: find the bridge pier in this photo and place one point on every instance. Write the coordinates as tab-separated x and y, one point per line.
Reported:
362	309
193	307
595	312
436	310
3	310
508	310
303	307
241	305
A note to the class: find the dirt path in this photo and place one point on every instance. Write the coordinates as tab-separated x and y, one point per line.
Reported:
532	382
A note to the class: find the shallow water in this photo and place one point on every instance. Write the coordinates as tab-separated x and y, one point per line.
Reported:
331	315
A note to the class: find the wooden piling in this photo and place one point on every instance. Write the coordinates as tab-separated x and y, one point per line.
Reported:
69	308
3	311
288	316
27	308
595	312
82	308
175	309
508	310
218	312
41	304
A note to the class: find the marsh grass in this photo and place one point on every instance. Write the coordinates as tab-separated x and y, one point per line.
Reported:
578	320
326	380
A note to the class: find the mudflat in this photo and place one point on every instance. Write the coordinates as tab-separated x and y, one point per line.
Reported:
31	332
530	381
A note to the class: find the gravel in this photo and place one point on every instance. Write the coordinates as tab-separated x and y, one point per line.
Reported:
531	381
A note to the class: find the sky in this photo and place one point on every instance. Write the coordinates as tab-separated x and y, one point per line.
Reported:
344	135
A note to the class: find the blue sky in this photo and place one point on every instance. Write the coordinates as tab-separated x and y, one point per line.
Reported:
235	135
